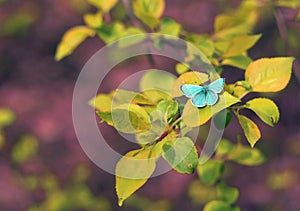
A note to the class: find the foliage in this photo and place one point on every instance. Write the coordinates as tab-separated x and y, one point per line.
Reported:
158	118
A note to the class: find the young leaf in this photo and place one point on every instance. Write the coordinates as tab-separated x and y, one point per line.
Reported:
93	20
181	155
132	171
148	11
130	118
102	102
193	117
130	39
265	109
240	44
196	78
158	80
104	5
210	171
250	129
239	61
226	193
217	205
168	107
156	95
169	27
112	32
105	117
181	68
71	39
246	156
269	74
224	147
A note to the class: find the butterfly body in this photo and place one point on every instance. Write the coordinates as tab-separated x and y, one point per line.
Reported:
203	95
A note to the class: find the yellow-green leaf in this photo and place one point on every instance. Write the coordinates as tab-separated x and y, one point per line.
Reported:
104	5
181	68
218	205
169	27
269	74
133	171
157	80
240	44
194	77
239	61
112	32
130	118
246	155
265	109
181	154
193	116
250	129
210	171
7	117
24	149
148	11
71	39
102	102
93	20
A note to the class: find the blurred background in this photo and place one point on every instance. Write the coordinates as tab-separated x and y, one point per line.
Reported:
42	166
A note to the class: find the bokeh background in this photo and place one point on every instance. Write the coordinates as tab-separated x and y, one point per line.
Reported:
42	166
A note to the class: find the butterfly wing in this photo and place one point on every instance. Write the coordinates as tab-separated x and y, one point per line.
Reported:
217	85
199	99
190	90
211	97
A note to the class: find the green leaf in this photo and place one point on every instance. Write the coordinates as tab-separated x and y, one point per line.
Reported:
24	149
148	11
104	5
250	129
170	27
181	155
246	156
224	147
194	77
219	206
156	95
265	109
222	119
168	107
112	32
133	171
158	126
157	80
269	74
105	117
193	116
239	22
240	44
226	193
130	118
210	171
130	39
93	20
7	117
71	39
239	61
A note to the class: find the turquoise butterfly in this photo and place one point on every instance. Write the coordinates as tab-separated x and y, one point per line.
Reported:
204	95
